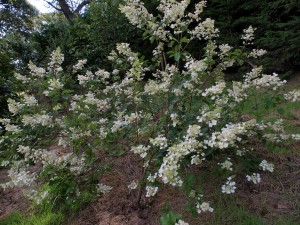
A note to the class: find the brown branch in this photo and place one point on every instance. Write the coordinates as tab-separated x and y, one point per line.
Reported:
53	6
66	9
251	64
81	5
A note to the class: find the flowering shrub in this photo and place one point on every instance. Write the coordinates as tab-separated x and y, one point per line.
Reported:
187	115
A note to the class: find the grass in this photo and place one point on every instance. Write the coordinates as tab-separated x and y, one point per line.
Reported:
46	218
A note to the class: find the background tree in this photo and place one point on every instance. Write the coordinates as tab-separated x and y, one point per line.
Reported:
16	16
277	23
7	81
70	8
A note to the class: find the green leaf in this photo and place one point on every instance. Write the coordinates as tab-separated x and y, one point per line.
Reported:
116	153
177	56
170	218
185	40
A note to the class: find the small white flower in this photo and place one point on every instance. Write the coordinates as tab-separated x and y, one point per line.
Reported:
151	191
132	186
229	187
204	207
104	189
160	141
151	178
255	178
5	163
212	123
227	164
181	222
266	166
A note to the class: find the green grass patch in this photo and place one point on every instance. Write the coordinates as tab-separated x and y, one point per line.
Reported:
46	218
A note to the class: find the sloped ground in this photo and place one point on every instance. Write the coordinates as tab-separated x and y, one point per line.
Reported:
277	196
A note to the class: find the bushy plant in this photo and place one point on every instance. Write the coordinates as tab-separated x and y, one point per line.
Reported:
185	116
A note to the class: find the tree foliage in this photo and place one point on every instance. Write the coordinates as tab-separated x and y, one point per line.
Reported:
277	23
16	16
6	81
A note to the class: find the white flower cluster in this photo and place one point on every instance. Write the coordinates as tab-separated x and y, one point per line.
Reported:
173	12
22	78
229	135
35	71
266	166
13	106
238	92
195	159
193	131
5	163
54	84
227	164
151	191
91	99
205	30
293	96
229	187
204	207
181	222
195	67
123	121
141	150
103	189
169	168
133	185
160	141
198	10
214	91
80	64
174	118
83	79
225	48
136	12
256	80
257	53
19	175
29	100
255	178
56	60
248	35
38	119
275	132
10	127
210	117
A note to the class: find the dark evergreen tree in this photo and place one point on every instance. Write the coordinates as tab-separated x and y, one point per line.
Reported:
277	23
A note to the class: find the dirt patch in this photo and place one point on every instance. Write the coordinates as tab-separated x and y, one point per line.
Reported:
11	199
276	196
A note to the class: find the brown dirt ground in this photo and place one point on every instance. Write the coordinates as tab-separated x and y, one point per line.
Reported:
11	199
277	195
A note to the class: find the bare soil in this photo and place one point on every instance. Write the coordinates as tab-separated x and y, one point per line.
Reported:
277	195
11	199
